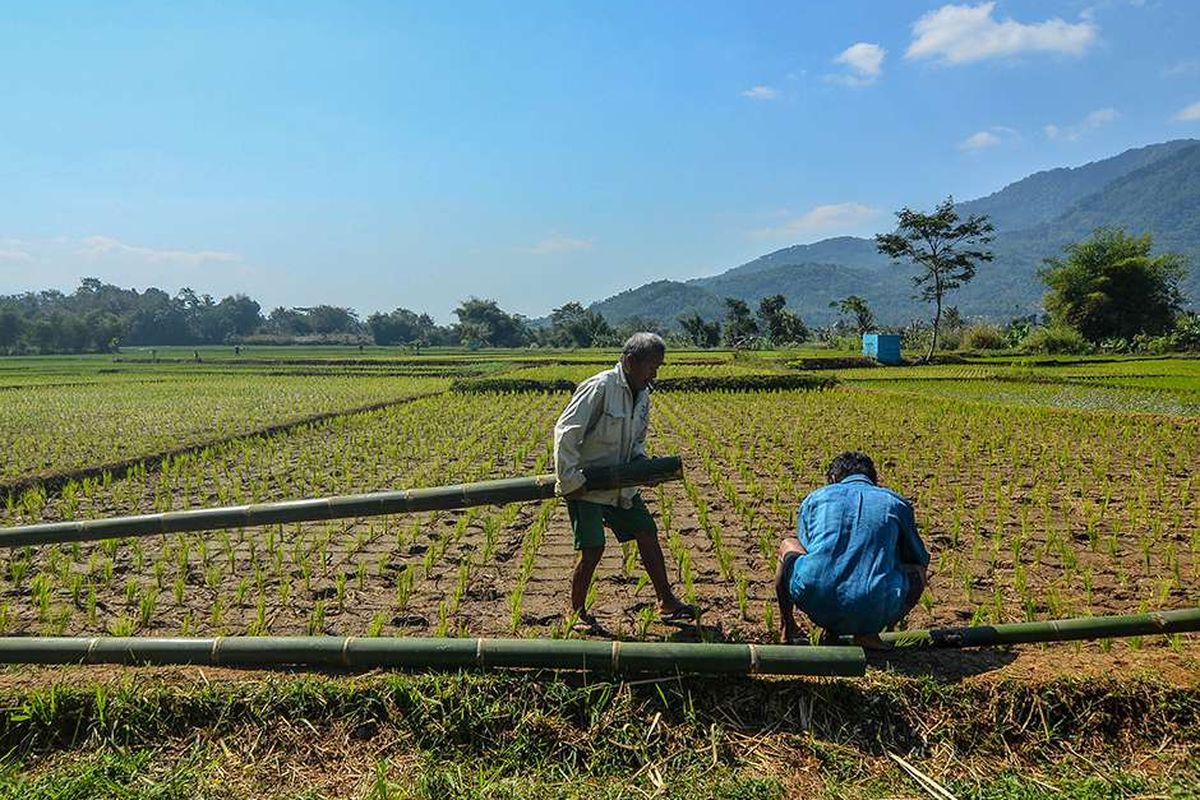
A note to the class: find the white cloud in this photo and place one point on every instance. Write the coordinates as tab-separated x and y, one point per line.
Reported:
956	34
15	257
761	93
1100	117
1189	114
106	245
1073	133
833	218
864	59
979	141
560	244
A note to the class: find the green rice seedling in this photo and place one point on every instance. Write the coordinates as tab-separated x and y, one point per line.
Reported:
146	604
375	628
742	602
339	583
259	625
315	625
242	590
90	608
217	612
629	558
516	600
404	586
643	621
123	626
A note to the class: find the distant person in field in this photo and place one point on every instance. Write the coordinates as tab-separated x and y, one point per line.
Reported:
856	564
605	424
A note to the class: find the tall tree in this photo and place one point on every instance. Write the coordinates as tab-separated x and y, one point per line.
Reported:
781	324
857	308
484	322
699	332
945	249
572	325
740	328
1110	286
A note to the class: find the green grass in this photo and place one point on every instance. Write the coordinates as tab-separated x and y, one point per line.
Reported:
538	735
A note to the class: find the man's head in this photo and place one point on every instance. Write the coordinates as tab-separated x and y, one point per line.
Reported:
850	463
641	357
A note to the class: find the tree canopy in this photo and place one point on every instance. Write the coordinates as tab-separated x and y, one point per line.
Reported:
1109	286
945	249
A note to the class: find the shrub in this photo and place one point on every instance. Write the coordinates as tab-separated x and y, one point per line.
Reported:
983	336
1056	340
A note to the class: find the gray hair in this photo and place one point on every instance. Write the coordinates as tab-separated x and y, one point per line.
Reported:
643	345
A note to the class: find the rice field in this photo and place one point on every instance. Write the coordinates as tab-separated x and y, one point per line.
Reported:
1035	504
1042	491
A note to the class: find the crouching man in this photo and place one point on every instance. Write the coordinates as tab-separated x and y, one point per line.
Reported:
605	424
856	565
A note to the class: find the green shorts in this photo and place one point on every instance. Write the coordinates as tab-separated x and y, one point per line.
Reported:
588	521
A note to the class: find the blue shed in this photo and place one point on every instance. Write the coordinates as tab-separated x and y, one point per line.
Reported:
883	347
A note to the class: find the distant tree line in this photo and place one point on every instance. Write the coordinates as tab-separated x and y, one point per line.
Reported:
1105	293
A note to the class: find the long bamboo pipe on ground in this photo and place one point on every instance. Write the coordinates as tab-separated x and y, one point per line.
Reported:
327	652
1059	630
645	472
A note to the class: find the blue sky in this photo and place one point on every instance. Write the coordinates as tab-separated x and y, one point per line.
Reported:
378	155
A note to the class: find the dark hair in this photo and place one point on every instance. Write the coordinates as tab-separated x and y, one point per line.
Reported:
644	345
850	463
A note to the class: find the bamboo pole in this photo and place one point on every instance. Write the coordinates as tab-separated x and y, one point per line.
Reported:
438	653
1058	630
508	490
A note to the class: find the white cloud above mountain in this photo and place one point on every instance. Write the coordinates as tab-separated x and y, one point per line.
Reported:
107	246
824	219
962	34
1072	133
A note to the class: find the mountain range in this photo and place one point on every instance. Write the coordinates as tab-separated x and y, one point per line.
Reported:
1153	189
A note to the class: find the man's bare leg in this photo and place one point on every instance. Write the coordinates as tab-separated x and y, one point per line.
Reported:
652	559
789	631
581	578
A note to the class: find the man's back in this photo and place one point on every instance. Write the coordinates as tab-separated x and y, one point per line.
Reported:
856	535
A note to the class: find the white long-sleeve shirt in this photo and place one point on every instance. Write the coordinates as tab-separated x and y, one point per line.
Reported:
603	425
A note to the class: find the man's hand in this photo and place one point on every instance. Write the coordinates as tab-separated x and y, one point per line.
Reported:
575	495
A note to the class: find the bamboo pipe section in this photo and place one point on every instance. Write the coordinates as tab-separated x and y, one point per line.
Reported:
1153	623
438	653
645	472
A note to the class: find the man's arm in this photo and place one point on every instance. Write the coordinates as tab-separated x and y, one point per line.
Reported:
912	549
569	431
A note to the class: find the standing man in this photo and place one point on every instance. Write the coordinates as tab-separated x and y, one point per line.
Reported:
856	564
605	424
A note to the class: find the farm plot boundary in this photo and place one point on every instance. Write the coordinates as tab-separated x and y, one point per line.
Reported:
53	482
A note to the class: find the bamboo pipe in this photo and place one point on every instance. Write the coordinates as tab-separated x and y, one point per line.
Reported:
1059	630
644	472
438	653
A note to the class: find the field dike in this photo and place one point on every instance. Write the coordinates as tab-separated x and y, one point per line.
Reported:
226	733
53	482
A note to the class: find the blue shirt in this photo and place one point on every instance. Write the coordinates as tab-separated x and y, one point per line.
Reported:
857	535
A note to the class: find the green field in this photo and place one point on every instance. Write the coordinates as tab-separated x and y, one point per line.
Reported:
1043	490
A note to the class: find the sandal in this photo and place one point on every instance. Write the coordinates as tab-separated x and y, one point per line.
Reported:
682	613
